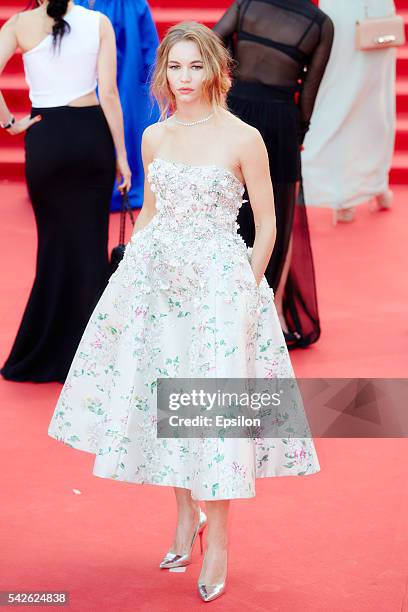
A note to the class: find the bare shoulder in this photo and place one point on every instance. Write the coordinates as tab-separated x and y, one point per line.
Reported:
23	21
152	136
104	19
154	132
10	33
105	24
11	24
27	17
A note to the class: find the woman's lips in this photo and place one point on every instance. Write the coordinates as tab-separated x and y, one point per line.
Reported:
185	90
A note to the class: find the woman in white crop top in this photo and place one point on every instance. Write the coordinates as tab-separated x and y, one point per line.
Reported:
70	142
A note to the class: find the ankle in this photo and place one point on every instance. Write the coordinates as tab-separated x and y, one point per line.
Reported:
194	508
189	513
215	565
218	544
283	323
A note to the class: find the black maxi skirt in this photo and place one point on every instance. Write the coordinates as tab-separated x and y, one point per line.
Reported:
70	173
273	111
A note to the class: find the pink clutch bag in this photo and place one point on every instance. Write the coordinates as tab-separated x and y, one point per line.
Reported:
380	32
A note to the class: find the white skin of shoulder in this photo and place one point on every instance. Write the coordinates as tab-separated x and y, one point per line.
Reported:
224	140
25	31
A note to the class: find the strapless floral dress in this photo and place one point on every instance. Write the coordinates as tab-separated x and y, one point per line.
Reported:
183	303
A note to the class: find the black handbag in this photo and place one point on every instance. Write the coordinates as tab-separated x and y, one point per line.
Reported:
119	250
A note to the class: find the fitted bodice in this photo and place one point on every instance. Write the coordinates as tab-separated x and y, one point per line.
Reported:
195	198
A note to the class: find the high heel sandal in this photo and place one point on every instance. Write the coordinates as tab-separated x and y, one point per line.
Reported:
344	215
209	592
173	560
384	200
291	339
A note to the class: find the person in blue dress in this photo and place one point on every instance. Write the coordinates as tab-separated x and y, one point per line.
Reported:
137	41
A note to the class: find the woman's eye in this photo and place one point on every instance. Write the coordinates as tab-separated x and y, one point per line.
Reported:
173	67
198	67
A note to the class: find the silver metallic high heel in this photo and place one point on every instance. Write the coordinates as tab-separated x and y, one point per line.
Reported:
209	592
172	560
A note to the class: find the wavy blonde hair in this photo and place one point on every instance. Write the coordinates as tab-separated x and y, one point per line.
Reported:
216	61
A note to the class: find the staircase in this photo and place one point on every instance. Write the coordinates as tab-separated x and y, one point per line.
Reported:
166	13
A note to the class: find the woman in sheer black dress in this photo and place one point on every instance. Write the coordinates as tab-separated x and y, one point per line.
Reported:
281	48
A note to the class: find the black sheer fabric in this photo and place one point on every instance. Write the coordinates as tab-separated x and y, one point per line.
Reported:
281	48
280	42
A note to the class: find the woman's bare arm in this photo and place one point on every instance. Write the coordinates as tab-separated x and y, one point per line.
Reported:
149	201
109	97
8	46
255	169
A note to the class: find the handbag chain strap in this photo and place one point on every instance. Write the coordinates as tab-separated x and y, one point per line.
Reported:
126	208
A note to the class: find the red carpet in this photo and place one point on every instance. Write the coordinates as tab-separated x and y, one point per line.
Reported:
336	541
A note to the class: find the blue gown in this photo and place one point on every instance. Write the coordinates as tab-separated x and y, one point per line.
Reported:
137	41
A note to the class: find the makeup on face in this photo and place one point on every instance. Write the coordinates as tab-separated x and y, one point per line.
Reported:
185	69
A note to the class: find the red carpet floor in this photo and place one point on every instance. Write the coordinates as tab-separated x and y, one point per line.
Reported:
336	541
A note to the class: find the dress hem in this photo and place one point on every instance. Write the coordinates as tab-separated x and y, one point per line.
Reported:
343	204
33	379
182	486
176	483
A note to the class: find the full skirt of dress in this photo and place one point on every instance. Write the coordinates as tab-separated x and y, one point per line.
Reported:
183	303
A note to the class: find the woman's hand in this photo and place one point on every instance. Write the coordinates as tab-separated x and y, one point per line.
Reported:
22	125
124	174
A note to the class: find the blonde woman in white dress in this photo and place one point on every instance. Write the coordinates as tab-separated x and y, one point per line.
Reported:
187	301
348	151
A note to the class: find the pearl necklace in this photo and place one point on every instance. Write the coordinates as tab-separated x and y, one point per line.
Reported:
190	123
